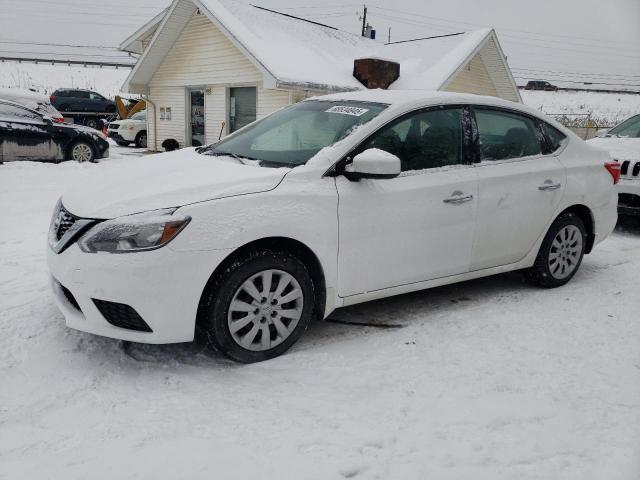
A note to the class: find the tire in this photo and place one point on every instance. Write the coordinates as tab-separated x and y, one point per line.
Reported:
227	302
560	254
81	151
123	144
91	123
63	108
141	139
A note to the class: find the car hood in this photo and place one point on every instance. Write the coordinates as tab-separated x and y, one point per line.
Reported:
166	180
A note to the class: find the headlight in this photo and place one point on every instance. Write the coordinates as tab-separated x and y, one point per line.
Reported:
134	233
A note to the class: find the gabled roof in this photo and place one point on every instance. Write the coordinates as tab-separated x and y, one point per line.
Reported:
295	53
133	43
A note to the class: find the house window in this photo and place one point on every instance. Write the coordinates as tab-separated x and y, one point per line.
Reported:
242	107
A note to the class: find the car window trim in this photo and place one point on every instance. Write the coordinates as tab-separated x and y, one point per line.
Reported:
537	121
338	167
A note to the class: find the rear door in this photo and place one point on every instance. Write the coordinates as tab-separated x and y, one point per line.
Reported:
520	186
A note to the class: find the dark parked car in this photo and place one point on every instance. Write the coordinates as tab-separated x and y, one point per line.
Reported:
540	85
26	134
74	100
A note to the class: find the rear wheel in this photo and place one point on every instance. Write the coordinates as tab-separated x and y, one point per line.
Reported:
258	307
91	123
560	254
82	152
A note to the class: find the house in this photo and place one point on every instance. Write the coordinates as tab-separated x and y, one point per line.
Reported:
209	67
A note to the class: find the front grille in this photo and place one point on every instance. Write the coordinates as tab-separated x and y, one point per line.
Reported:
70	298
114	126
64	222
121	315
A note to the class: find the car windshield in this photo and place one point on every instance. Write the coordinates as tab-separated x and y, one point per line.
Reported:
629	128
142	115
292	136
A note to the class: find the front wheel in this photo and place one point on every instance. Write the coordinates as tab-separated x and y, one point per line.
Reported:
560	254
141	139
258	307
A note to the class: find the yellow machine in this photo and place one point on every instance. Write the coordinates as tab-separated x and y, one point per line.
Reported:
128	109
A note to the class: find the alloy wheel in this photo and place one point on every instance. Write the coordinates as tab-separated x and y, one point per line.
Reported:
82	152
265	310
565	253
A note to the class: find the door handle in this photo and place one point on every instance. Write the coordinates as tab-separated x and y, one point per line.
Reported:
458	198
548	185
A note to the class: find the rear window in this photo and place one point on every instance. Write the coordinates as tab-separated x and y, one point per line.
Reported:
12	113
505	135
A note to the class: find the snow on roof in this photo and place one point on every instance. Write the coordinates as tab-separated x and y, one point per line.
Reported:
323	55
22	94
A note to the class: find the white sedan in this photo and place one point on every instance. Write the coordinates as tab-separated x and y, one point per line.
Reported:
623	143
330	202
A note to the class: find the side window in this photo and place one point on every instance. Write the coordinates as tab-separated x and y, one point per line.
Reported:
80	94
95	96
505	135
10	113
555	138
422	140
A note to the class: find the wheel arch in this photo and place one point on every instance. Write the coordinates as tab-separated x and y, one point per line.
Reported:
585	214
305	254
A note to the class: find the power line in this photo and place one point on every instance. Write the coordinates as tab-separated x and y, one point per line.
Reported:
603	75
413	14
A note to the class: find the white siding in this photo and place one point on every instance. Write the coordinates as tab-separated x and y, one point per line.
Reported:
473	78
203	57
485	74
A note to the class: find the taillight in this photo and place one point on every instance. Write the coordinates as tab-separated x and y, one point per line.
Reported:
614	169
58	119
52	98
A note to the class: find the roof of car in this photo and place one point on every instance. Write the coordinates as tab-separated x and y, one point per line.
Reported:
422	97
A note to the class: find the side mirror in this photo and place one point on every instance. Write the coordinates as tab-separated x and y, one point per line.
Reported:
602	132
373	163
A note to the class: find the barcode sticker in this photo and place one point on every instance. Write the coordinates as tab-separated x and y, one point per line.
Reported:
346	110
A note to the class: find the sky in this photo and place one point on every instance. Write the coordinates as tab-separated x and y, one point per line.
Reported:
564	41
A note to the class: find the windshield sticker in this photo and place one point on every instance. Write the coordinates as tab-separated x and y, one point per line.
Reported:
346	110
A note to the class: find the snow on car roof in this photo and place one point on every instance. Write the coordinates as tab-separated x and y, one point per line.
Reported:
21	94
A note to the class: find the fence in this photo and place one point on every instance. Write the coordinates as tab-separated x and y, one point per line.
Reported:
582	124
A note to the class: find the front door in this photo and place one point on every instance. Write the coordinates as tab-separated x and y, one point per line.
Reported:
418	226
196	125
520	187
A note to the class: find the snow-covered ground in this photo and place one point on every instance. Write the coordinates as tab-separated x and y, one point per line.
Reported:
606	109
490	379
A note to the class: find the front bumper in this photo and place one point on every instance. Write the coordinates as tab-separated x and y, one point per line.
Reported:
629	197
163	286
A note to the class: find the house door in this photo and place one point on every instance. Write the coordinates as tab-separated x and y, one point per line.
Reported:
242	107
196	135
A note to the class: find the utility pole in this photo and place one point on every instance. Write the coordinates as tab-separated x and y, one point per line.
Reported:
364	20
389	36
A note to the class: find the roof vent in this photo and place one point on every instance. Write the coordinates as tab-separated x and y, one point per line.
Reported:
376	73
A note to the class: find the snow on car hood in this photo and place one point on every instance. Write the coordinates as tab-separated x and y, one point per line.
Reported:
167	180
620	148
